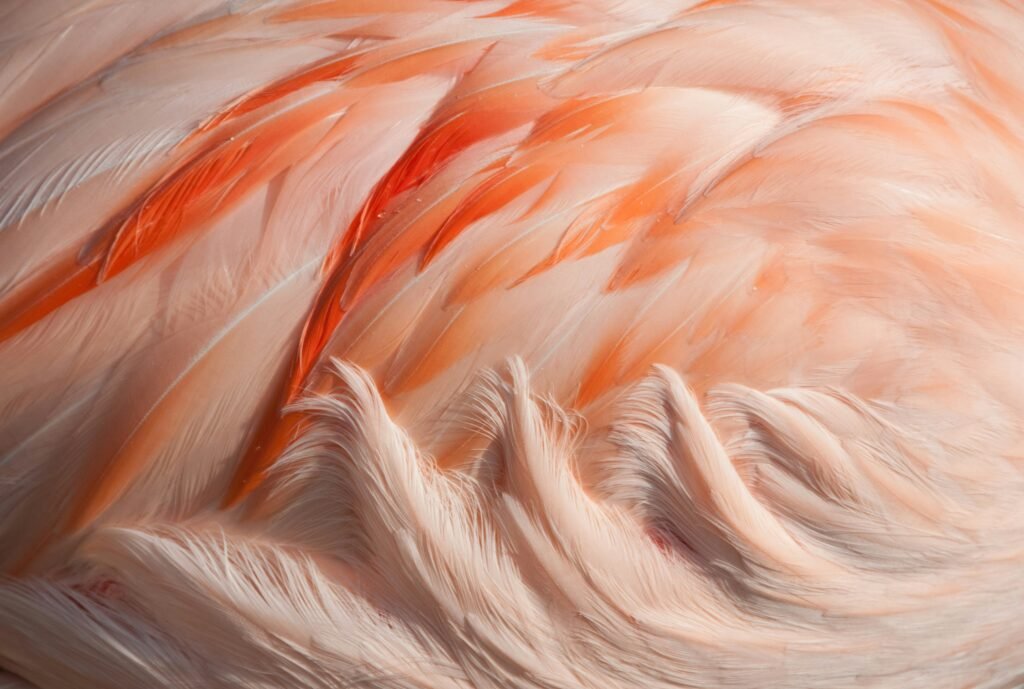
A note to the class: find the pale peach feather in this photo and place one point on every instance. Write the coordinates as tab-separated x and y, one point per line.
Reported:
512	343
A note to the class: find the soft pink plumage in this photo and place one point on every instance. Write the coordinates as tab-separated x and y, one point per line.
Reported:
533	343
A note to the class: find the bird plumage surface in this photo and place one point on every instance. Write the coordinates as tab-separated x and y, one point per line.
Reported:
543	343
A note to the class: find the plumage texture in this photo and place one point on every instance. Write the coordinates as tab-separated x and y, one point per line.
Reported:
512	343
